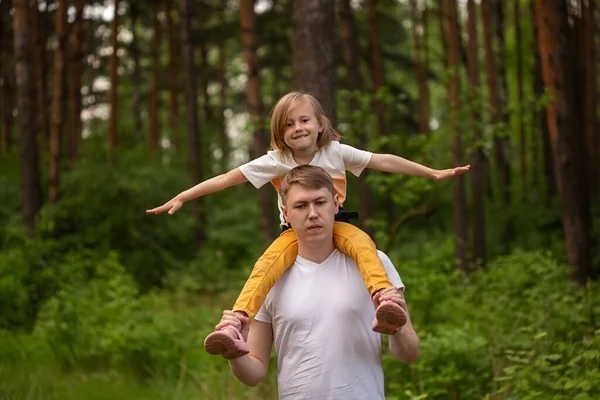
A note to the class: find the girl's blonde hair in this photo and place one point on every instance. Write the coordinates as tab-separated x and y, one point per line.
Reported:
281	113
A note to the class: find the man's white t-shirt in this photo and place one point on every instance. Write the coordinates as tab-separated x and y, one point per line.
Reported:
335	158
321	315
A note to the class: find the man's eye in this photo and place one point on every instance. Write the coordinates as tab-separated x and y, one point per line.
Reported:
300	206
320	203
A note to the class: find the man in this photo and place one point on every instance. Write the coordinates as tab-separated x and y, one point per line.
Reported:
319	313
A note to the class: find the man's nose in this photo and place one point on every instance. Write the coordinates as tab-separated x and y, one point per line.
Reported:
312	211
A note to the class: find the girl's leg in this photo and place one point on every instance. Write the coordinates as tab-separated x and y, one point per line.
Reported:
280	255
357	244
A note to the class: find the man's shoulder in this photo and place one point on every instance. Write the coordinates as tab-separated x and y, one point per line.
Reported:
382	256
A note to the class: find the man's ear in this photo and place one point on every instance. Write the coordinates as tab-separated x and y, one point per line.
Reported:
284	211
336	202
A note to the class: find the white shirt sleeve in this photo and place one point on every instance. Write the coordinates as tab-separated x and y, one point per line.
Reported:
355	160
260	171
392	273
263	314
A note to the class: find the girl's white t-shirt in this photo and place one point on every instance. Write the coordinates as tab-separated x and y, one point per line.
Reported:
335	158
321	315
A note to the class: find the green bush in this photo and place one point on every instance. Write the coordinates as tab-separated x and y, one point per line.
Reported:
101	321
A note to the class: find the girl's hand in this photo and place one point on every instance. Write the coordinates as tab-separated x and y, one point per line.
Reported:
171	206
449	173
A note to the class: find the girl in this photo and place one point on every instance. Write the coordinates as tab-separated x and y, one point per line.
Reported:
302	134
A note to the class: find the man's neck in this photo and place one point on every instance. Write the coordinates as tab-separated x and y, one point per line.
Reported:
316	253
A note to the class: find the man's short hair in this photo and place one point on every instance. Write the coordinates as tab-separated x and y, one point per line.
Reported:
307	176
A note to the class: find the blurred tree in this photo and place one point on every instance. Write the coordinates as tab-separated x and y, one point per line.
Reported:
255	109
500	60
313	64
419	12
585	28
352	63
223	90
453	63
203	43
525	189
501	150
154	131
75	81
377	71
58	99
40	65
136	81
558	66
29	153
114	84
542	121
277	45
193	126
479	167
174	67
8	77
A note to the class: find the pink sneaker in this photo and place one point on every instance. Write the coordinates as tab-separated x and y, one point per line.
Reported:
389	317
228	342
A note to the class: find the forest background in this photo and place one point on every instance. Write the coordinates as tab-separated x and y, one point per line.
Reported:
112	107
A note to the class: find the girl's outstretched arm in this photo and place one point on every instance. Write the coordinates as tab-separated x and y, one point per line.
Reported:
399	165
212	185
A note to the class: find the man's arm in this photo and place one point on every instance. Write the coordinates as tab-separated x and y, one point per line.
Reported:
253	367
405	344
399	165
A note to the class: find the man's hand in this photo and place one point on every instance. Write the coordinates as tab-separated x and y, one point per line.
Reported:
171	206
449	173
237	319
393	294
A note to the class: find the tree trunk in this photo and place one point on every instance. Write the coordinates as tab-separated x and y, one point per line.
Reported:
460	209
313	64
542	122
478	174
585	25
204	80
519	101
500	145
350	47
193	126
173	82
377	73
419	24
58	93
8	78
223	86
30	170
153	134
76	78
276	44
255	108
114	86
135	75
40	68
567	140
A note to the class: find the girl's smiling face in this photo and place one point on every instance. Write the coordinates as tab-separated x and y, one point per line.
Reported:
302	130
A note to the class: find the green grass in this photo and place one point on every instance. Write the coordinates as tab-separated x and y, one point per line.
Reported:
29	371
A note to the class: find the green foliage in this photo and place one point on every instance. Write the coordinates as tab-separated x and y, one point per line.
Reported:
100	320
518	329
